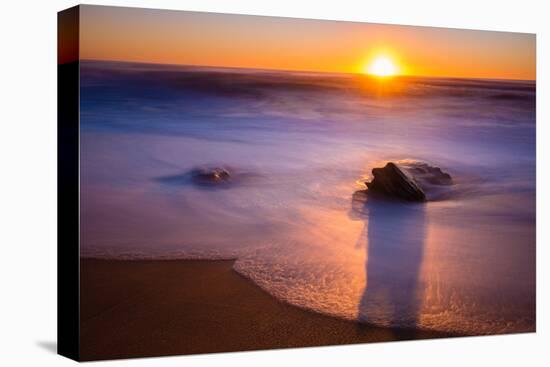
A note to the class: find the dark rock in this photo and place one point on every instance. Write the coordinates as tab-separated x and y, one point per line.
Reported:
412	181
395	182
423	173
215	175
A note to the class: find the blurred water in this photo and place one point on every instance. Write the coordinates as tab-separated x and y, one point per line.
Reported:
299	146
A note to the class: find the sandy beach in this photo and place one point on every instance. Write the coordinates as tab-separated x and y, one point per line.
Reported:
135	309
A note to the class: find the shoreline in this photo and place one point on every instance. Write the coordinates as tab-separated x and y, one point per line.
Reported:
150	308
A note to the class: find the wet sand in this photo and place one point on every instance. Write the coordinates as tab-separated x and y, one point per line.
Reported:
135	309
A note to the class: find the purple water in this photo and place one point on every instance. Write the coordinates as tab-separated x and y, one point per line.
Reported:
299	145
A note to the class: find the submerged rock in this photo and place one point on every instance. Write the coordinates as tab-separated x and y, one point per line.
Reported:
422	172
215	175
395	182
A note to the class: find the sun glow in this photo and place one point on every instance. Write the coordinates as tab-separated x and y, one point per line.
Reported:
381	66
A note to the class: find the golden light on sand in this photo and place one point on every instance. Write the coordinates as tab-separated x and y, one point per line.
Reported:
381	66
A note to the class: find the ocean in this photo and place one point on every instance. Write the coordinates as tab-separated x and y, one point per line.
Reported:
299	147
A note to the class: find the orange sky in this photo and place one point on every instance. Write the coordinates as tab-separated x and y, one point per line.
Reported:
191	38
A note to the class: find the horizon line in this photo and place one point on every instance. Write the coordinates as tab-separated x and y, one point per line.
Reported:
307	71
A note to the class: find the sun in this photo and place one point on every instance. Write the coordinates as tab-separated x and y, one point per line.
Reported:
381	66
